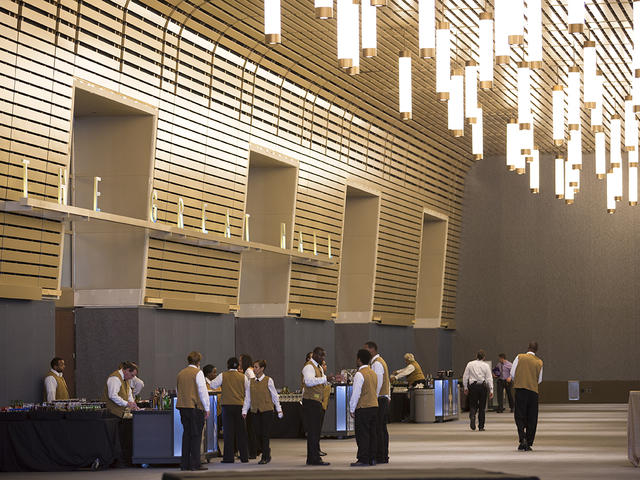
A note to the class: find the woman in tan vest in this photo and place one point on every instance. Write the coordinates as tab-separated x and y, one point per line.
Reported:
263	398
412	371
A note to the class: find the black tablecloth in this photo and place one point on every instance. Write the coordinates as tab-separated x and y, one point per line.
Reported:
399	407
290	426
55	441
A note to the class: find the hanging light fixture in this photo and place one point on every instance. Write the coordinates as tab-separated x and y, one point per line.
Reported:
272	28
534	33
615	155
378	3
630	125
471	90
576	153
596	112
575	17
369	30
344	27
572	170
456	103
590	91
559	164
611	198
477	142
485	50
404	84
635	90
324	9
633	178
524	95
515	25
354	39
569	192
557	99
513	144
443	60
501	14
600	154
526	150
573	98
618	183
635	59
534	171
426	28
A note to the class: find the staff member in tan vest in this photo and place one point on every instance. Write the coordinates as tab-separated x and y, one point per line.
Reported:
312	396
193	404
364	408
263	397
55	386
526	373
117	392
235	399
412	371
379	366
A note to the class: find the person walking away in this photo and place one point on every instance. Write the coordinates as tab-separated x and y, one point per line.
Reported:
477	381
526	373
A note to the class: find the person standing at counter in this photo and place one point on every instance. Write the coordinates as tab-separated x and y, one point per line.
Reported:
325	403
135	383
503	378
263	397
193	404
55	386
412	371
477	381
117	392
235	398
526	373
363	406
379	366
246	367
312	397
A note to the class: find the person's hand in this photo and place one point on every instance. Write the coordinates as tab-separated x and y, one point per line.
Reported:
244	415
509	380
392	378
206	415
133	406
466	391
280	414
491	395
353	415
394	373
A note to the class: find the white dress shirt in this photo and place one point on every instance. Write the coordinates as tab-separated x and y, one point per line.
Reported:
249	373
136	385
51	385
203	393
515	365
405	371
309	374
274	395
358	380
477	371
113	387
217	383
379	371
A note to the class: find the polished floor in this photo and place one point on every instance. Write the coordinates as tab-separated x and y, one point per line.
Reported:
573	442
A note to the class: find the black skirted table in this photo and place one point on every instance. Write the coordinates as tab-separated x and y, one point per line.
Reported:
54	441
290	425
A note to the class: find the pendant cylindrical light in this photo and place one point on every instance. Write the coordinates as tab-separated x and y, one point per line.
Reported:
596	112
471	90
569	192
378	3
501	14
557	100
404	84
559	170
272	27
534	171
477	141
618	183
513	144
515	26
611	199
456	103
354	39
443	60
324	9
575	17
485	50
534	33
369	30
576	149
426	28
633	180
635	90
526	148
635	36
590	92
344	25
600	154
573	98
615	154
630	125
524	95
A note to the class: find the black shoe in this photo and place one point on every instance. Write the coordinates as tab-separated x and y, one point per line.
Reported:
322	454
359	464
372	463
246	460
500	410
95	465
226	461
320	463
264	461
473	426
481	429
383	461
528	448
523	446
252	457
201	467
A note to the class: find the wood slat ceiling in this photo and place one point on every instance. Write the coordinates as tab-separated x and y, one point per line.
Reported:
309	49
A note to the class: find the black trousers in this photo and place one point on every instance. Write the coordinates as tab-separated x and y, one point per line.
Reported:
234	429
503	386
251	435
526	414
477	403
382	434
366	435
312	422
262	422
192	420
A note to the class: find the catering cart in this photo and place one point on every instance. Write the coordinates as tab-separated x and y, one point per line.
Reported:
157	434
447	405
337	421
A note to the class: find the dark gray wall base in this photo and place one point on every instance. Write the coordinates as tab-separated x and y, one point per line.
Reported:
27	345
603	391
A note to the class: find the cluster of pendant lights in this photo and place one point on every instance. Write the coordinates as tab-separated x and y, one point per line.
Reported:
503	29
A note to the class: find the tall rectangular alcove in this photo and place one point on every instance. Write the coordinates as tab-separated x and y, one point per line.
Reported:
358	256
433	249
270	202
114	139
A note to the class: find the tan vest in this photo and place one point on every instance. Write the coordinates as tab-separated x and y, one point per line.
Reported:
260	395
327	395
416	374
188	396
386	388
317	391
62	392
232	388
123	393
527	372
368	397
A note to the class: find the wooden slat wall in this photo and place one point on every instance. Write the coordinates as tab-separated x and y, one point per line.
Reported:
210	108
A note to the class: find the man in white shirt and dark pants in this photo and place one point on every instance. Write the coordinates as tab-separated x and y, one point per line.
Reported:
363	406
477	381
314	381
379	366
